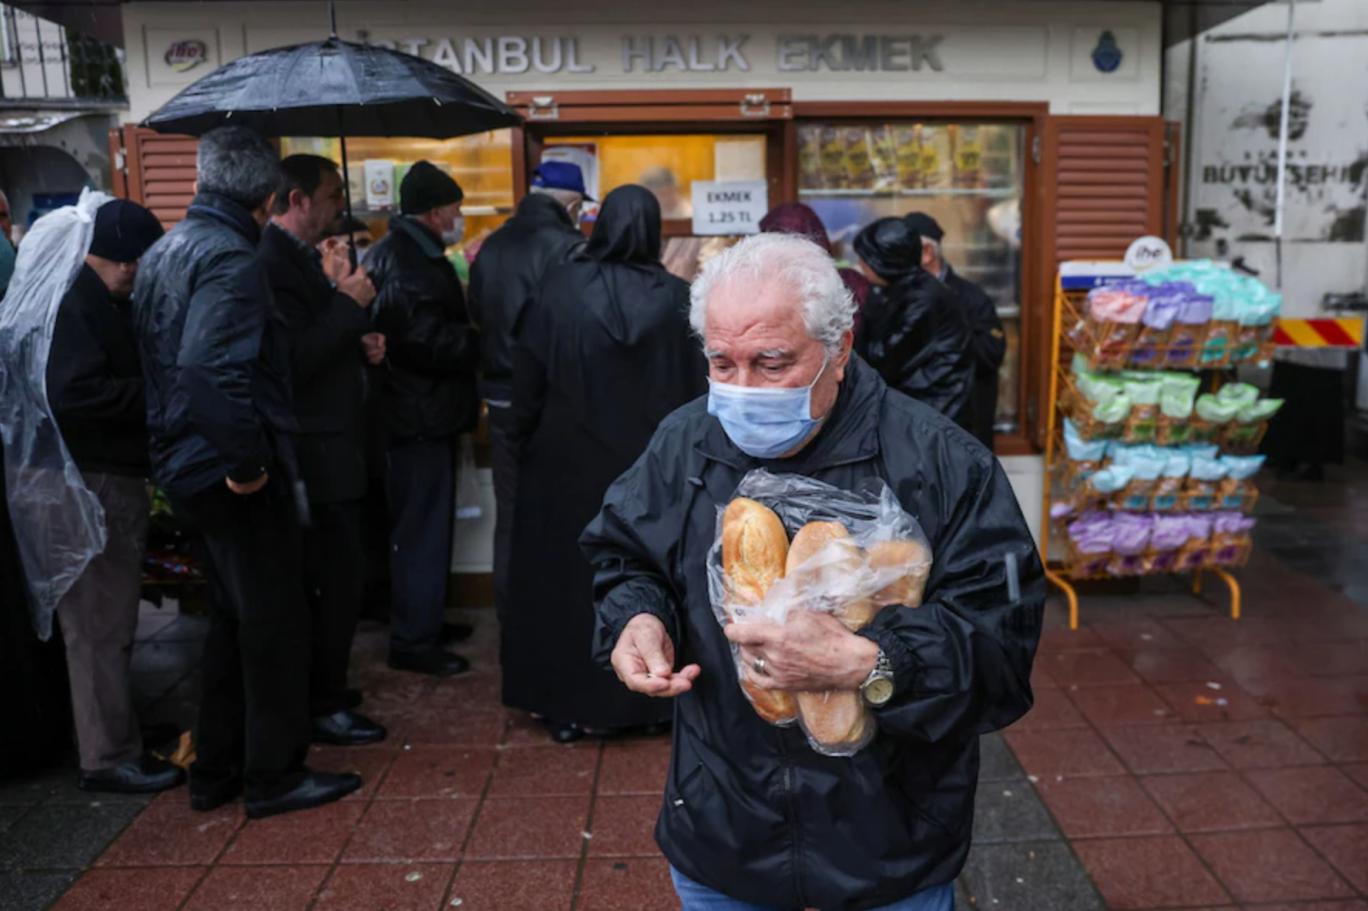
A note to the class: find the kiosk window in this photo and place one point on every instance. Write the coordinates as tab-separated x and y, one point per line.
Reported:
968	176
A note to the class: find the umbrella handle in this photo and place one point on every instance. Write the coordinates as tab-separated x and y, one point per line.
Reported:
346	190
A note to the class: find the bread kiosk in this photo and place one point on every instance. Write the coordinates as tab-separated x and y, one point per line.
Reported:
1029	131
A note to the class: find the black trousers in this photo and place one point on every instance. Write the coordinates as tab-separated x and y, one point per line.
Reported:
334	575
505	465
421	486
254	713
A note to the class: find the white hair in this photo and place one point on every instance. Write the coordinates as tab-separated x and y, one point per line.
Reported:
566	198
785	259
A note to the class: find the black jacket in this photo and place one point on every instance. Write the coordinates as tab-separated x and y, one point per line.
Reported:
324	327
505	276
916	335
95	380
215	356
750	809
431	348
987	344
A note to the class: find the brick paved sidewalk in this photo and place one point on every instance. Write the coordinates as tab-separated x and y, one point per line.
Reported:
1174	760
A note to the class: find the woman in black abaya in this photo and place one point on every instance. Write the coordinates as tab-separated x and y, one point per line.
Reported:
601	356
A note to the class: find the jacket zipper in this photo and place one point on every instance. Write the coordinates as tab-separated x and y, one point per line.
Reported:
791	798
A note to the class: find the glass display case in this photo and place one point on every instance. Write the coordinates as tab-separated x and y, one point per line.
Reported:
967	176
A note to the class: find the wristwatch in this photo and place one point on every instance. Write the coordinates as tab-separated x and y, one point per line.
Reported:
878	686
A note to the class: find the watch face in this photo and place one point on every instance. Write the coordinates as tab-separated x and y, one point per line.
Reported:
879	691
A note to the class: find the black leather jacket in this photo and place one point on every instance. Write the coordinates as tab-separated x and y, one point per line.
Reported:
917	336
428	379
215	356
752	810
505	276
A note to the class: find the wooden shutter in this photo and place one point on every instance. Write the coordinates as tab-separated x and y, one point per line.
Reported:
157	170
1102	185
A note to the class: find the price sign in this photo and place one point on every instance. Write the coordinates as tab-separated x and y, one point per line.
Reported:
1148	252
729	206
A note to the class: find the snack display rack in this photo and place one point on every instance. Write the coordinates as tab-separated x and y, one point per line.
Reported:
1201	351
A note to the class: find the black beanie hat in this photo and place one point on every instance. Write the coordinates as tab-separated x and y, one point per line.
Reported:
426	187
123	231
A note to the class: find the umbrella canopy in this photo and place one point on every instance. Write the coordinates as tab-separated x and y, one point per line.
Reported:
334	88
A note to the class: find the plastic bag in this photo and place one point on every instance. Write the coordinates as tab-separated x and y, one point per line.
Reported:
58	522
882	560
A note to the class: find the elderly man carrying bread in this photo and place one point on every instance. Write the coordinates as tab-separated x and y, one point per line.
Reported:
753	818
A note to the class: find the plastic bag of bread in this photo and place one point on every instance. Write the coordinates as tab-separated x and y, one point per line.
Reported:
786	543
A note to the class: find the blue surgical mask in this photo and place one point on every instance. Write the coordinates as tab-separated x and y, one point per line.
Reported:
763	421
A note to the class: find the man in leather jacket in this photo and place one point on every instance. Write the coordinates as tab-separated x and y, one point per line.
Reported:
428	396
753	817
220	413
916	334
987	341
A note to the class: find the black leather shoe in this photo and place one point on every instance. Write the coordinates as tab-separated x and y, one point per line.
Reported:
456	632
346	729
147	775
314	790
437	663
204	798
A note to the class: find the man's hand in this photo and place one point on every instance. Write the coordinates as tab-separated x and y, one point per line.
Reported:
356	284
812	651
248	487
336	258
373	346
644	659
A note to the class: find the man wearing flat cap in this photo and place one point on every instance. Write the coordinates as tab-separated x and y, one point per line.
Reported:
987	341
95	387
429	396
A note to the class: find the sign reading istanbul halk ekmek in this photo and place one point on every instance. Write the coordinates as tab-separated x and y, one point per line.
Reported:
729	206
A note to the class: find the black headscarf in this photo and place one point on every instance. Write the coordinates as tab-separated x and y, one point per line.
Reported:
628	227
890	247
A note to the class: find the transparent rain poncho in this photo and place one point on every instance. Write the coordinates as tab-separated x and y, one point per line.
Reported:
58	522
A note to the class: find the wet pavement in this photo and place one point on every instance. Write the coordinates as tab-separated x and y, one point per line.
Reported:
1174	759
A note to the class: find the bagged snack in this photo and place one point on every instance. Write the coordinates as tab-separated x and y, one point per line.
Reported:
1235	492
1090	544
1177	464
1177	398
1085	456
1143	418
1242	395
1113	315
1230	538
1203	478
1167	535
1189	330
1250	425
1130	540
1155	326
1193	554
853	553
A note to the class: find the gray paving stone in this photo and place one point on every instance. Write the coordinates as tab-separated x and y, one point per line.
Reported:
55	837
32	891
996	762
1010	811
58	786
1030	876
8	815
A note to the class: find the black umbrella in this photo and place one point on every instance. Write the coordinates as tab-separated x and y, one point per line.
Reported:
334	88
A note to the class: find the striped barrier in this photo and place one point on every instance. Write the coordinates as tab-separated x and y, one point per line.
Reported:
1346	332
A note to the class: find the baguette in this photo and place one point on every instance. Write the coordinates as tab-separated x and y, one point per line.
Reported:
754	550
836	719
911	555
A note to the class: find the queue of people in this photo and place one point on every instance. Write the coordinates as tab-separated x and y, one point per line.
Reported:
253	370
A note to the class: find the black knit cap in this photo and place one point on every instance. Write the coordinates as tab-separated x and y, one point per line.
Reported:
426	187
123	231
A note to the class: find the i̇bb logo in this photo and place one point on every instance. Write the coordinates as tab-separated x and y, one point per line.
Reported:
186	55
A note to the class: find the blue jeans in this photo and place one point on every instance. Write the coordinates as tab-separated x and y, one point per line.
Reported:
698	897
